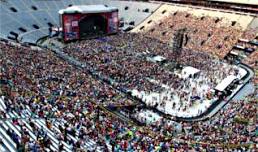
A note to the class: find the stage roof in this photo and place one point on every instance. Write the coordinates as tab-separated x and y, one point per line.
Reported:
87	9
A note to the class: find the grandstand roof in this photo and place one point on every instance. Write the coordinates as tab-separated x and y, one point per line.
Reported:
250	2
87	9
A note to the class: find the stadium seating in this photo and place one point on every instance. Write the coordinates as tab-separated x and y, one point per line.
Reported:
26	121
208	30
24	125
64	99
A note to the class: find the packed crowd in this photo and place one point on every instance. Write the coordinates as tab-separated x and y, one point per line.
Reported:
126	63
56	75
235	124
204	33
52	89
250	35
48	87
39	85
252	60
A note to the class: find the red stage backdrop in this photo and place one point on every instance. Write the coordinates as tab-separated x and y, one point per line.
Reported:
71	18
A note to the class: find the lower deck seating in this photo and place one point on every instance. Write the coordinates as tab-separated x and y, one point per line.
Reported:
16	130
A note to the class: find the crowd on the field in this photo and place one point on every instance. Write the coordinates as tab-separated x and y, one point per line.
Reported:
37	84
205	63
127	64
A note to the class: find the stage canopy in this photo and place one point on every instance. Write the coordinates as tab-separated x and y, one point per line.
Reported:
87	9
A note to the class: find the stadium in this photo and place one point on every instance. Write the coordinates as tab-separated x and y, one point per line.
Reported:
117	75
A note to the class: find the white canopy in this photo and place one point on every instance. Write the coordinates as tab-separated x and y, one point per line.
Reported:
242	73
244	40
159	58
156	58
239	47
234	53
87	9
188	70
225	83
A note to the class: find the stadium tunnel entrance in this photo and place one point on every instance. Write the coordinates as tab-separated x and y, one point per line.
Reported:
92	25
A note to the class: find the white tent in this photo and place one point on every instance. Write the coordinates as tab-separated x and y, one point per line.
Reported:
189	71
225	83
157	58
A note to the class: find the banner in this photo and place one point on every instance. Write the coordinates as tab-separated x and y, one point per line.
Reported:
71	27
